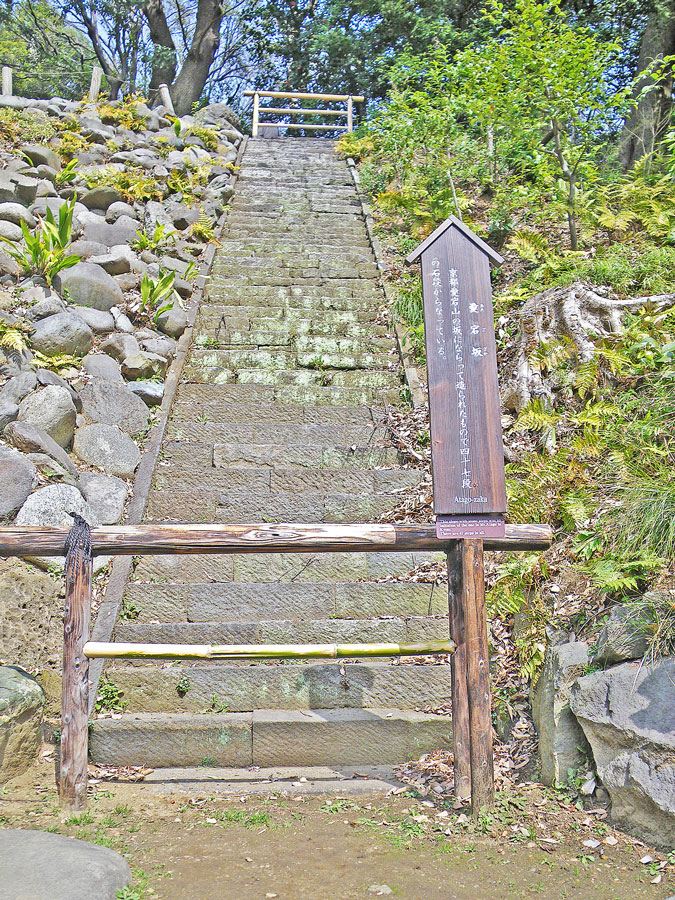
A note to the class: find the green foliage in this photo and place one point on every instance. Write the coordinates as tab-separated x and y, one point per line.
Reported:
158	293
159	239
123	113
133	183
183	685
619	576
67	174
45	251
71	144
208	136
19	127
203	230
653	615
109	696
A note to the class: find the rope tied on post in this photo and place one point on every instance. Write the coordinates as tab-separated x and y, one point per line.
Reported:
78	543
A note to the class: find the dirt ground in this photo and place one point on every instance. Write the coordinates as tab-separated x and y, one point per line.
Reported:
202	847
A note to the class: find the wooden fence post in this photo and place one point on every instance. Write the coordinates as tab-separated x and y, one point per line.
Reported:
461	741
477	674
95	84
350	114
165	98
256	106
75	693
6	81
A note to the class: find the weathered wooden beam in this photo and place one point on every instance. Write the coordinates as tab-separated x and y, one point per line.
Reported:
263	537
75	691
301	125
461	740
299	95
477	674
121	650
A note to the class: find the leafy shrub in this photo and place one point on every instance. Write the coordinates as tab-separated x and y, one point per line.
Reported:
45	248
19	127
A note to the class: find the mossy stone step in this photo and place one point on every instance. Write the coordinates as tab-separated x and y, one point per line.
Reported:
262	433
289	395
312	358
302	590
233	413
322	685
272	456
198	373
268	737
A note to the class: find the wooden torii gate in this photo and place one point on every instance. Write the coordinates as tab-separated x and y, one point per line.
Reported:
467	459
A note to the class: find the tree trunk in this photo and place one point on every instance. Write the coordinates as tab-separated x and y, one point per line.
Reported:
164	61
188	86
650	117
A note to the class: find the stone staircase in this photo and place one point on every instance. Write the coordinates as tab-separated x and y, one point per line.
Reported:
279	418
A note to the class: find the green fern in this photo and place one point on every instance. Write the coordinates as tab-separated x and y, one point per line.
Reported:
537	416
531	245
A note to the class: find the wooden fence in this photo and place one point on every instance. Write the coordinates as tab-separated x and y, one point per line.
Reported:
348	112
469	686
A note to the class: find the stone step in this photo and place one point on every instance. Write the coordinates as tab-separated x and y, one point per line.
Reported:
298	591
312	358
197	373
288	395
299	297
214	337
395	630
263	433
274	456
236	506
356	482
319	685
359	307
289	414
269	737
290	317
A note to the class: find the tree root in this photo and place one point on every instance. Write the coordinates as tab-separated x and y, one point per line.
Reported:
579	313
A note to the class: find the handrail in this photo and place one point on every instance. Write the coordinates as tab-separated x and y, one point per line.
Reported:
349	99
81	543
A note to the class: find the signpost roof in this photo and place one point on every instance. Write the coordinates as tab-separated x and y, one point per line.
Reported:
495	258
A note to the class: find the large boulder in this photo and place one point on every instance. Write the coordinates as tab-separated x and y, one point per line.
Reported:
627	716
101	197
63	333
621	637
18	477
52	410
106	495
89	285
561	740
114	404
21	704
108	448
42	156
17	213
30	439
218	114
53	505
122	231
102	366
44	866
17	387
119	346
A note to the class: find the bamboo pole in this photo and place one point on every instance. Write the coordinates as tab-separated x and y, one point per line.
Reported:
256	114
103	650
477	675
75	691
350	114
262	537
301	125
298	111
461	740
299	95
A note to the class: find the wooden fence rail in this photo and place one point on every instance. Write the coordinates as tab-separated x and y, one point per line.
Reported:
348	112
470	683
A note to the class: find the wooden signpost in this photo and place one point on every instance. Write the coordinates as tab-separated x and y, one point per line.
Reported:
467	460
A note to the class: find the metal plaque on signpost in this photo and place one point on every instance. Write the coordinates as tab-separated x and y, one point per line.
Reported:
467	455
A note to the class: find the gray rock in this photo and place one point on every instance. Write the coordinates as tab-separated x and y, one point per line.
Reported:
17	213
165	347
25	188
143	365
9	266
41	156
8	413
98	320
116	262
154	214
119	346
51	469
130	281
173	321
33	440
53	505
89	285
122	231
561	740
627	716
181	215
18	477
10	231
221	187
21	704
173	264
87	249
46	189
47	172
108	448
102	366
48	306
63	333
621	637
101	197
122	321
52	410
16	388
46	376
150	392
114	404
44	866
219	114
119	208
106	495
